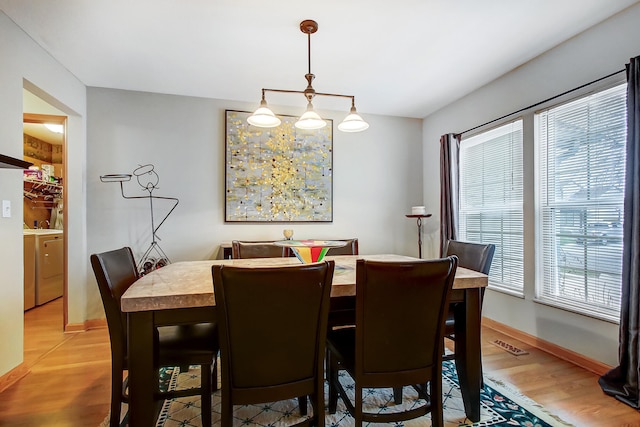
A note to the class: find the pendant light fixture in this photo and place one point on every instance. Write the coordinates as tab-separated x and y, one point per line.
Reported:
264	117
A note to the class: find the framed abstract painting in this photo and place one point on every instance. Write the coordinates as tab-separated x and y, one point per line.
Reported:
280	174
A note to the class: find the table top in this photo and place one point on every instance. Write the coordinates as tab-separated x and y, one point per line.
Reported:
189	283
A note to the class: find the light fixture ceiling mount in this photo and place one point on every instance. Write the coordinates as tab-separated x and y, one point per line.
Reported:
264	117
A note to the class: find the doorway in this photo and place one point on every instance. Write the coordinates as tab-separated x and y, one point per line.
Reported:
44	141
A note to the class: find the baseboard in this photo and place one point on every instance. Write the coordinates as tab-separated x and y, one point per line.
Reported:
95	323
577	359
73	328
13	376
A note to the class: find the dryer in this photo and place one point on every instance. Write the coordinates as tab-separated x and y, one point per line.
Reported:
49	263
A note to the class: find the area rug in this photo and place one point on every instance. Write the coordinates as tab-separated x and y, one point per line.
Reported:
500	406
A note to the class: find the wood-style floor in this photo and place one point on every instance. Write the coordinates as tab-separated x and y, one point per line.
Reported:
69	380
564	389
70	375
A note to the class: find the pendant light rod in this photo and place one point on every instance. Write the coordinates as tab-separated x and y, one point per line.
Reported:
309	26
352	97
309	51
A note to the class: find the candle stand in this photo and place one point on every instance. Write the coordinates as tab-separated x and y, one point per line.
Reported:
419	221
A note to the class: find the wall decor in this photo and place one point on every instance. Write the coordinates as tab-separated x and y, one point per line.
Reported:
148	181
280	174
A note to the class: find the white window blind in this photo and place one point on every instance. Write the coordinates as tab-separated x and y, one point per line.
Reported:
581	162
491	200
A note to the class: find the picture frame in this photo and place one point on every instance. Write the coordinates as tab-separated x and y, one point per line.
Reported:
281	174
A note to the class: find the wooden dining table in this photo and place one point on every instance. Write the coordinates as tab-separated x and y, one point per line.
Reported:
182	293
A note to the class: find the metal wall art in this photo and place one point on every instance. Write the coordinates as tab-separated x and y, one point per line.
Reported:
148	180
280	174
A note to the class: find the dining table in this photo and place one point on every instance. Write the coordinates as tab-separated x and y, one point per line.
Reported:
182	293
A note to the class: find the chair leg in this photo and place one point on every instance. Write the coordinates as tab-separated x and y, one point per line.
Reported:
205	395
226	409
397	395
332	378
214	375
317	403
116	395
302	403
358	406
435	397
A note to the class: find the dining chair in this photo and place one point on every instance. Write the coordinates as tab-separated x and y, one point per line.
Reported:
184	345
342	312
351	248
257	249
398	336
273	325
474	256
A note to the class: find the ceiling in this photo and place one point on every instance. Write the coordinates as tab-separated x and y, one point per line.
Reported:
408	58
39	131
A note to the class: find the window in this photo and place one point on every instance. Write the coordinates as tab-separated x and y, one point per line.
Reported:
580	149
491	200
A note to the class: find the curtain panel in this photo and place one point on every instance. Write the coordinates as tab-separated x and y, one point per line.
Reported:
622	381
449	188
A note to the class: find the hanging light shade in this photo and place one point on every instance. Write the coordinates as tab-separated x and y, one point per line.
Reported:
353	122
263	117
310	120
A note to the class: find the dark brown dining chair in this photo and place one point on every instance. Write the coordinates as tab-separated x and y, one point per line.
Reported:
398	337
342	312
273	325
474	256
257	249
184	345
351	248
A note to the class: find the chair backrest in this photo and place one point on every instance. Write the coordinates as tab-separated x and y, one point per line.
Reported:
400	317
256	249
351	248
275	320
474	256
115	272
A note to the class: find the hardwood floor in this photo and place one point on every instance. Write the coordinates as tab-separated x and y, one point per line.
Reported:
564	389
70	375
69	380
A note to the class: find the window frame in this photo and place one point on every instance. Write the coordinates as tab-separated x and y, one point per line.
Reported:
585	308
498	130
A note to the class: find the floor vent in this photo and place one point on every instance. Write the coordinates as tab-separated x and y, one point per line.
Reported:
509	348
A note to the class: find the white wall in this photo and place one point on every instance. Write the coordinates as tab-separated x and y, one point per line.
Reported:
378	175
24	64
377	178
602	50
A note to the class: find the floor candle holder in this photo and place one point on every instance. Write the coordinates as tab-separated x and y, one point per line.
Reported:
419	221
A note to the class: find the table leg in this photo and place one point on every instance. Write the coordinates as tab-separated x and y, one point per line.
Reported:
468	352
142	376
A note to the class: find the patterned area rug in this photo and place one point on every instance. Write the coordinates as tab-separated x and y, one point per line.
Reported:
501	407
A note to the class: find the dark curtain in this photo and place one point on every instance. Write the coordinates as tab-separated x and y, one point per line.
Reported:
449	179
622	381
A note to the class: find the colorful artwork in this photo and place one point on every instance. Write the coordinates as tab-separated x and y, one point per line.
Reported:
308	251
280	174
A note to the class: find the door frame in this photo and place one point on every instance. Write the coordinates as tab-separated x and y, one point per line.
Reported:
62	120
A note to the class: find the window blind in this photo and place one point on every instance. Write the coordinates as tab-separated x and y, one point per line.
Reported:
581	163
491	200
